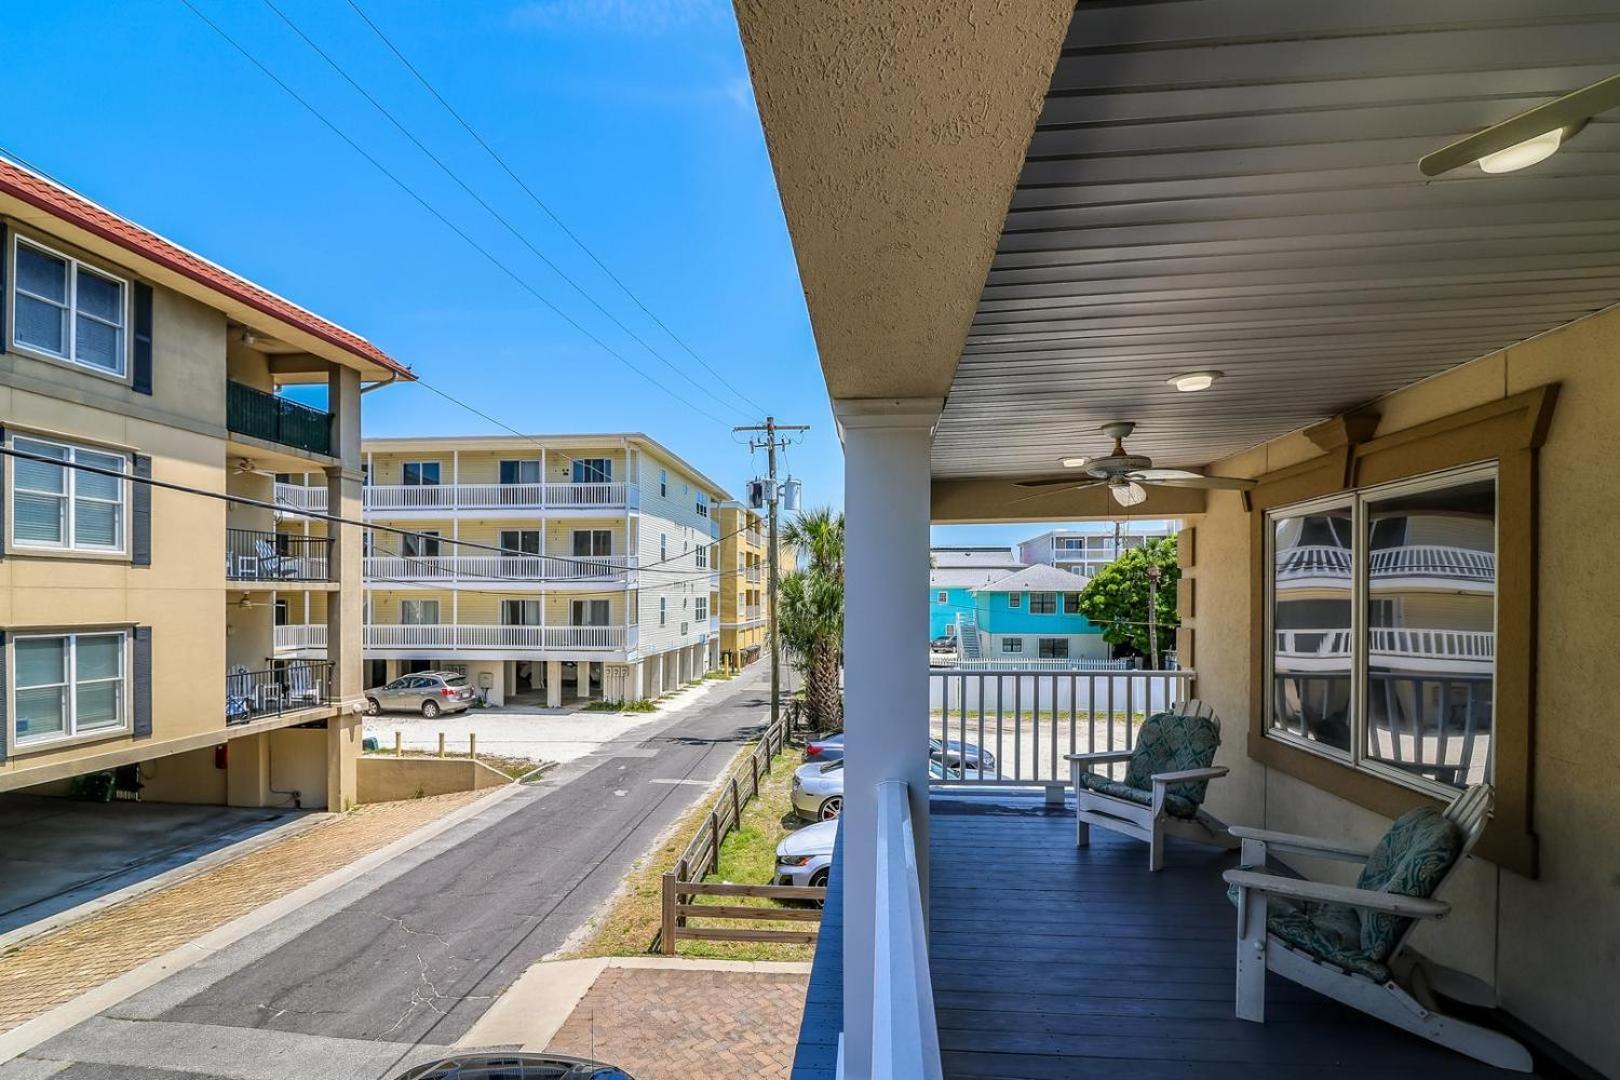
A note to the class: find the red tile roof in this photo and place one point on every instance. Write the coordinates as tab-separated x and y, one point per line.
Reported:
71	207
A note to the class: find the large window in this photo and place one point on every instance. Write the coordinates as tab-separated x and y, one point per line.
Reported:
520	472
419	612
596	470
520	541
64	308
68	685
420	474
521	613
1383	625
1012	644
1043	603
700	608
58	506
589	612
1054	648
593	542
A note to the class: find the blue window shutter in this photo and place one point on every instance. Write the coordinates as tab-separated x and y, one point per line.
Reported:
140	514
141	379
5	720
141	684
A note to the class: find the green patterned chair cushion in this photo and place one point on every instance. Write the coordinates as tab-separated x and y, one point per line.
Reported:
1174	805
1330	932
1166	742
1411	860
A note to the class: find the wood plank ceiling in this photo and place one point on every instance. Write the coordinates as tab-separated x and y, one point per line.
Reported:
1233	184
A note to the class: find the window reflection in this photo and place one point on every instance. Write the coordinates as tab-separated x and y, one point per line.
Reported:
1312	604
1431	619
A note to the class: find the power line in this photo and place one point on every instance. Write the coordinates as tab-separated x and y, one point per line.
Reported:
505	223
527	190
475	245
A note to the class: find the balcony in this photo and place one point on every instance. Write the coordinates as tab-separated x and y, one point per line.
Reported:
301	497
292	639
614	570
395	637
753	575
293	687
276	419
251	555
432	499
1316	563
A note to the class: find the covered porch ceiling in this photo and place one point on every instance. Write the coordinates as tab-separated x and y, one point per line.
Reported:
1039	213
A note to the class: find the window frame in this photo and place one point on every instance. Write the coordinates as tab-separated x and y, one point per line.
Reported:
126	288
68	546
1355	500
1045	643
943	596
438	611
438	473
70	714
1012	646
1015	601
1045	597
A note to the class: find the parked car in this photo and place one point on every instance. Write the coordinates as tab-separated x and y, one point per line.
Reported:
804	857
427	692
511	1065
945	643
818	788
953	753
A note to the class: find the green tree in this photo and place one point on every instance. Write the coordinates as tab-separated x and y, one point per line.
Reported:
810	612
1117	598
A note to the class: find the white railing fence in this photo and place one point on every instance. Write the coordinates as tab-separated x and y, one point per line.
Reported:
498	567
905	1033
498	496
1014	728
299	497
301	636
479	636
1023	663
1391	641
1405	560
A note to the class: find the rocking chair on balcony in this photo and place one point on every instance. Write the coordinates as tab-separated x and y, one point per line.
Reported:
1350	943
1164	785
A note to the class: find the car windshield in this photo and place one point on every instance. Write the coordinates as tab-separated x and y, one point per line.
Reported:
832	766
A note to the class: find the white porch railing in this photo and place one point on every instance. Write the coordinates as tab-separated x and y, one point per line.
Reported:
905	1033
753	573
294	636
1037	664
1408	560
1014	727
440	568
753	611
299	497
449	497
477	636
1388	642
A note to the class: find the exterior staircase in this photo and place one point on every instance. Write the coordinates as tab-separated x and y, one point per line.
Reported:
967	637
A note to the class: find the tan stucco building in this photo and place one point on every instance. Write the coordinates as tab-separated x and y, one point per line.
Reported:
138	618
744	595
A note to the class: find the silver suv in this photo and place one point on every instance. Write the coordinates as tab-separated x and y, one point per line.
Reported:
427	692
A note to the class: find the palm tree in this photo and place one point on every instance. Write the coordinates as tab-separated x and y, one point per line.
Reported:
810	612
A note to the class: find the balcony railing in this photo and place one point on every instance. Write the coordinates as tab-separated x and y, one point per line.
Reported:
300	497
276	419
251	555
753	611
476	636
290	687
753	574
755	537
1407	560
905	1033
451	497
1389	644
1017	725
475	568
293	637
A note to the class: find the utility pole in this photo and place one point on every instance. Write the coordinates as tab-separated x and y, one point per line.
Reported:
1153	574
770	443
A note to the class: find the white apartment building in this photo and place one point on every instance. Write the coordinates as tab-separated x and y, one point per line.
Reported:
1087	548
547	568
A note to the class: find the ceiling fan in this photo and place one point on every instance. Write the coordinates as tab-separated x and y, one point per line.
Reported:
1128	476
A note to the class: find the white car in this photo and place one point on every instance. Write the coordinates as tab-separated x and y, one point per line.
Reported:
818	787
803	857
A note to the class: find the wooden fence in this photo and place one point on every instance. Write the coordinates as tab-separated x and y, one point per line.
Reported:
685	882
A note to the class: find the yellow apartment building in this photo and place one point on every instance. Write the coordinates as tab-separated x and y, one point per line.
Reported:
744	596
546	568
139	395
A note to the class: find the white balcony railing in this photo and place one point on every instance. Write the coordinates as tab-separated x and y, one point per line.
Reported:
753	611
1388	643
451	497
478	636
296	636
475	568
1408	560
905	1032
298	497
753	574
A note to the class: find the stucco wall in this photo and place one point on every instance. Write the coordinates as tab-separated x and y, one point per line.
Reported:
1551	945
387	779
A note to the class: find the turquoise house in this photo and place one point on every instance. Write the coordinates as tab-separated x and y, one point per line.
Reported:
954	573
1034	614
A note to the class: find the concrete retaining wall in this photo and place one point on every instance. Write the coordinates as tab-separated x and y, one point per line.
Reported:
387	779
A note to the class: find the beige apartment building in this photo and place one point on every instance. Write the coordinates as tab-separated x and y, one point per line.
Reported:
744	592
547	568
138	618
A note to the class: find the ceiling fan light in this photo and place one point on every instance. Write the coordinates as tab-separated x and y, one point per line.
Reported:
1194	381
1074	462
1128	494
1524	154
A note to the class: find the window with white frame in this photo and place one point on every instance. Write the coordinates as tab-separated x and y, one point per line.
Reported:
1015	600
703	556
67	685
419	612
663	546
1381	608
700	609
1012	644
1043	603
598	470
419	474
58	506
1054	648
65	309
702	505
943	597
663	610
663	483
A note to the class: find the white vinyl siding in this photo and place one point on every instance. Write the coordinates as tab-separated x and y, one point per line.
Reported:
60	507
66	685
68	310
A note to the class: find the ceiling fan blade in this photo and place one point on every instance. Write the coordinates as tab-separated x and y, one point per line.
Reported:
1056	490
1056	481
1218	483
1154	475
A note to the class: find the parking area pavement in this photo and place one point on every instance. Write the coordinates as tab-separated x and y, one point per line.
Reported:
59	853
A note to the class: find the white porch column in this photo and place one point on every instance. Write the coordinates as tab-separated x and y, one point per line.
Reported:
886	513
582	678
553	684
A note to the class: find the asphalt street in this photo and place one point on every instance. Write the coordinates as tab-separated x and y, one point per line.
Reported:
373	976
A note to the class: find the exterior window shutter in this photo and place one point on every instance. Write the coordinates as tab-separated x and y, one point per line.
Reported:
5	719
140	514
4	494
141	684
141	380
5	254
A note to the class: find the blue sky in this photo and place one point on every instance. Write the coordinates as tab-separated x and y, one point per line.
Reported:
632	119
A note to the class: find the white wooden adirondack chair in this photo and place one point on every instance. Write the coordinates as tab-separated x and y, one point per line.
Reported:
1303	930
1154	800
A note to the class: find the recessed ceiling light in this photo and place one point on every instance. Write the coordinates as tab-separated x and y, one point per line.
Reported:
1074	462
1195	380
1524	154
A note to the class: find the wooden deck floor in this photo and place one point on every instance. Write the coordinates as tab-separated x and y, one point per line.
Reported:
1051	961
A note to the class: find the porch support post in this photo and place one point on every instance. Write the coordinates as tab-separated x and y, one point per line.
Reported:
344	608
554	684
886	510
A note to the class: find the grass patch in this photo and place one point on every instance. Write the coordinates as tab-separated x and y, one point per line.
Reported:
719	673
748	855
638	705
